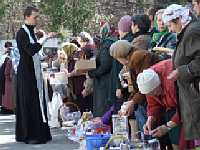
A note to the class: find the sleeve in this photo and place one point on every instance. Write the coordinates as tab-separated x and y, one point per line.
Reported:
8	69
154	108
139	98
89	85
107	116
192	51
25	45
105	66
171	43
176	118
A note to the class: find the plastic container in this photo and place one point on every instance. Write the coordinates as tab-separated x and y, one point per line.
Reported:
120	125
94	142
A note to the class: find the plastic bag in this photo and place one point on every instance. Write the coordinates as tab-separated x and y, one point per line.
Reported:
54	106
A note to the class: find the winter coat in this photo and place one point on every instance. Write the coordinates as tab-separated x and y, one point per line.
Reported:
2	80
7	100
167	40
101	77
142	41
138	61
167	101
116	68
187	60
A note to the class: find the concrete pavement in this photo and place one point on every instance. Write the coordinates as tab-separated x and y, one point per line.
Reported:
7	138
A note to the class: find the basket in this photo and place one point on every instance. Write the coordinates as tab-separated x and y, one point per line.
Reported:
70	105
94	142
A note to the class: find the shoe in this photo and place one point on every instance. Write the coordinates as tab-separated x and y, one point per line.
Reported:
35	142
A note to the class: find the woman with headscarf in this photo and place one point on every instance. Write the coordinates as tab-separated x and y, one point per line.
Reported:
101	76
163	38
125	33
186	72
161	98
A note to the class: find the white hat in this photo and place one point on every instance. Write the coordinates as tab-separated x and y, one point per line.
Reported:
147	81
175	11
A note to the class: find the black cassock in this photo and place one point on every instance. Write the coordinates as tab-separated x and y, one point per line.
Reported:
29	122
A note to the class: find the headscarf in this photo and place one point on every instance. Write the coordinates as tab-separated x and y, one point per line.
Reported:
87	36
157	36
69	48
175	11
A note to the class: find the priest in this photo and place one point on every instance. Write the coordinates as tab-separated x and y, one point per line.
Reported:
31	111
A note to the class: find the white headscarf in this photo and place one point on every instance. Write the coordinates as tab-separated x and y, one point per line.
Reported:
175	11
88	36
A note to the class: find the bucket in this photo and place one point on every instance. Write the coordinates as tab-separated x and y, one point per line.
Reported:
94	142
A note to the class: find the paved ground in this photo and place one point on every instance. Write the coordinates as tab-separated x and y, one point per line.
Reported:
7	138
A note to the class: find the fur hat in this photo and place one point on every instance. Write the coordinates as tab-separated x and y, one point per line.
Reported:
120	49
147	81
125	23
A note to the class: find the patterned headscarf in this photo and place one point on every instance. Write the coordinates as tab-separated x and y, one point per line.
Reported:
176	11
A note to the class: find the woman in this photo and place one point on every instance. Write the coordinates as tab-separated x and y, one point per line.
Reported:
77	79
7	97
61	62
101	77
196	5
186	64
140	29
125	33
7	101
151	12
163	38
161	98
137	60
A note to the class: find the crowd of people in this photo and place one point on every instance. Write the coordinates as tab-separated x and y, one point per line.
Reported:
161	90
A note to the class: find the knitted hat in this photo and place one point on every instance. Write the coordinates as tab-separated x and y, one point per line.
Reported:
125	23
120	49
147	81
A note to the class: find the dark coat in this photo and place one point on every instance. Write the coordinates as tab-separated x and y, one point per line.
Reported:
101	76
2	80
116	68
187	60
168	40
